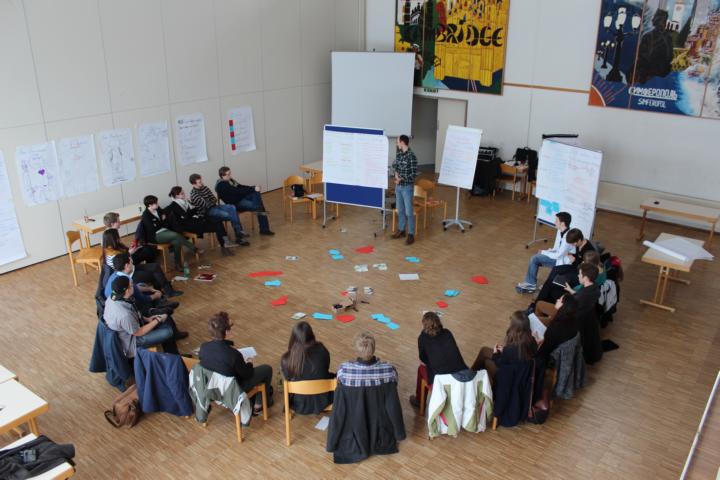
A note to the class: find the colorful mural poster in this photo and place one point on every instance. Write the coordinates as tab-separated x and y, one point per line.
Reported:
458	44
658	56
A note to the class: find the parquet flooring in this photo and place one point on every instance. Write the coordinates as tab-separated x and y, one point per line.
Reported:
636	418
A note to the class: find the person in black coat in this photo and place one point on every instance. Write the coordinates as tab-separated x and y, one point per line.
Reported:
244	197
588	321
306	359
184	217
157	229
582	246
220	356
438	353
562	328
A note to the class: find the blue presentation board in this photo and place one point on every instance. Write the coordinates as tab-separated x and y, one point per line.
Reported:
354	194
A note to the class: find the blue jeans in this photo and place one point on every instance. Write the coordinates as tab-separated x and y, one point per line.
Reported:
538	260
226	212
404	204
253	203
158	335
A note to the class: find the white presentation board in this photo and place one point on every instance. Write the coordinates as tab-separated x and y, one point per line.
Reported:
459	157
567	181
352	158
373	90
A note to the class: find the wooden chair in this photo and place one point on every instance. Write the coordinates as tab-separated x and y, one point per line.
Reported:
511	174
314	186
164	249
289	199
424	194
424	392
531	186
191	362
195	238
304	387
417	207
84	256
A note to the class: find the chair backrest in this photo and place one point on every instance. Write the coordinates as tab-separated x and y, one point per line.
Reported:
71	236
420	192
508	169
190	362
294	180
427	185
311	387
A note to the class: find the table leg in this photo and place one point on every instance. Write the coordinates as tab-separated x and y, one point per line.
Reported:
665	273
660	290
642	225
710	237
32	423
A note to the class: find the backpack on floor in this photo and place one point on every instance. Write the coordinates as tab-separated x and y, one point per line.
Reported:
126	409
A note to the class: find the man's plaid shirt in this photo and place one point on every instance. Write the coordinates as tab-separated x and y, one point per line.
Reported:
406	166
359	373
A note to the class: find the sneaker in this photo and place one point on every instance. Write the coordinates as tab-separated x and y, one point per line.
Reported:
226	252
410	240
243	234
164	303
527	287
243	243
179	335
229	243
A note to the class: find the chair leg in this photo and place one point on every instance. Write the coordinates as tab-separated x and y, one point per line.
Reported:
263	393
238	428
72	269
291	212
394	220
164	255
425	209
286	396
423	394
494	424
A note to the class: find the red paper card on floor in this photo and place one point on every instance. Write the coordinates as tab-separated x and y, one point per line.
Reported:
265	273
345	318
280	301
344	293
480	279
367	249
441	304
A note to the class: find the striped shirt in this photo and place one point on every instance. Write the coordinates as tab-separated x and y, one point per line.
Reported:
359	373
406	166
203	198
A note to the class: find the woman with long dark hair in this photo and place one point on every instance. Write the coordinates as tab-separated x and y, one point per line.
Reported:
518	346
306	359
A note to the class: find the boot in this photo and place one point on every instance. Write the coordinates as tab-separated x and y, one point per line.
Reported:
398	234
410	239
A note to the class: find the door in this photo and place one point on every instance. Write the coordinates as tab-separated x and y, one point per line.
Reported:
449	112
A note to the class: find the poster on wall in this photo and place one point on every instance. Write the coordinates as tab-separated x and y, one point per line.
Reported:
153	148
658	56
39	174
458	44
78	165
241	130
117	156
190	139
11	242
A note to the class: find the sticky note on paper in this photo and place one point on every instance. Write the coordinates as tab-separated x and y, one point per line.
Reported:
409	276
452	293
322	316
393	326
273	283
412	259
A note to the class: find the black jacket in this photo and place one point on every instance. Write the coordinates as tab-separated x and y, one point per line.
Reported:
440	353
220	356
513	385
151	224
588	323
232	192
49	456
365	421
190	220
315	367
558	331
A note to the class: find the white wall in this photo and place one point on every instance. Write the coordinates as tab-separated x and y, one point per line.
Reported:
75	67
550	43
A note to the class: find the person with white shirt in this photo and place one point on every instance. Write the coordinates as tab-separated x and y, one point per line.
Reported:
558	255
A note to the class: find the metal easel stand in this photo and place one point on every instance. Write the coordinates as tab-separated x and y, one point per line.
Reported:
535	239
384	214
456	221
325	218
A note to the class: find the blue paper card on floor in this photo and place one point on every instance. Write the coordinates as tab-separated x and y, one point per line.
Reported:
452	293
334	252
273	283
380	318
337	257
322	316
412	259
393	326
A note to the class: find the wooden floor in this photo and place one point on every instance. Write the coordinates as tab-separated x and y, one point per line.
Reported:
636	418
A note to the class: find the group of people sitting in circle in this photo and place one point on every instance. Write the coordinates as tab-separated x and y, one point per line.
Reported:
139	310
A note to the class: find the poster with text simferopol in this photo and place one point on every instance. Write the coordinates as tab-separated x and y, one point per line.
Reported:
11	242
658	56
459	157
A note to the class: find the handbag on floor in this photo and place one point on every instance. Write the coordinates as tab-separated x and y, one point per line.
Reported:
126	409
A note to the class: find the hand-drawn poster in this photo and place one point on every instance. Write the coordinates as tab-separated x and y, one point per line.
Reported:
190	139
39	173
658	56
458	44
11	242
241	130
78	165
117	156
153	149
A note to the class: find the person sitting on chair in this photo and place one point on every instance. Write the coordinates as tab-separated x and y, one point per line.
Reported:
157	230
367	370
244	197
306	359
122	316
548	258
219	355
518	346
139	253
438	352
184	217
563	327
207	204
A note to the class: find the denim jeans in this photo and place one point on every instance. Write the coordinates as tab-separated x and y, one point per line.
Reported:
404	203
253	203
226	212
536	261
161	335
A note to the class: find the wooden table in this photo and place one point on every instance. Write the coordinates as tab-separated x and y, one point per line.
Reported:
312	168
669	268
6	375
19	406
61	472
128	214
681	210
518	174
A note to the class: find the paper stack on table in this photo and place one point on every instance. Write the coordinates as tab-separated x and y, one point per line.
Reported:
685	248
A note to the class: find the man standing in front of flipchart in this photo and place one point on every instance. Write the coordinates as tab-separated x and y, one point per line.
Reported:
405	167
